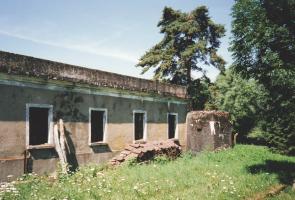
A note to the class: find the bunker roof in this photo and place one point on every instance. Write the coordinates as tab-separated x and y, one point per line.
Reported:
16	64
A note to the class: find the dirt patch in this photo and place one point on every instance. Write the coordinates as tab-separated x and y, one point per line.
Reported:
271	191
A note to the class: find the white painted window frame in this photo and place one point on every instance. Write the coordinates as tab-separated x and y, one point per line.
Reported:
50	122
144	125
176	136
105	125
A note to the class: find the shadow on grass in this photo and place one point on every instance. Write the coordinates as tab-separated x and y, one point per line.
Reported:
284	170
252	140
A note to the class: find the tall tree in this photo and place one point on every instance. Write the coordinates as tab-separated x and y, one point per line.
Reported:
199	89
244	99
264	48
190	42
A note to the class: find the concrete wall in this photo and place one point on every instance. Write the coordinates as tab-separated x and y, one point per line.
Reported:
208	130
71	102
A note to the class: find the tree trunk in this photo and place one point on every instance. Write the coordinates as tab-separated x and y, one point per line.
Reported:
189	85
189	75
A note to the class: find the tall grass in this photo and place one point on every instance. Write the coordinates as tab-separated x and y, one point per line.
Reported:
236	173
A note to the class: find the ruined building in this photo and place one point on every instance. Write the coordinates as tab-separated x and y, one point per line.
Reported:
102	112
208	130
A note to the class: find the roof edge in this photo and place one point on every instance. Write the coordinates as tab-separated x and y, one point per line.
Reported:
17	64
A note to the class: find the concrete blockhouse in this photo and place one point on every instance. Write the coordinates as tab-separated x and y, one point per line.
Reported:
208	130
102	113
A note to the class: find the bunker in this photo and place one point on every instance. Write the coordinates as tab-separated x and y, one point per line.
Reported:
208	130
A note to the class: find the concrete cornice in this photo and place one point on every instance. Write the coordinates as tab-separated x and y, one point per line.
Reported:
15	64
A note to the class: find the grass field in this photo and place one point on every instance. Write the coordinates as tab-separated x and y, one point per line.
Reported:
237	173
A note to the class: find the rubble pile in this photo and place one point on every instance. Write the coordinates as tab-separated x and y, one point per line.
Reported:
148	151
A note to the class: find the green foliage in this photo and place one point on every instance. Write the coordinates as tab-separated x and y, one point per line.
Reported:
199	89
189	39
264	49
243	99
161	160
264	39
131	162
237	173
190	42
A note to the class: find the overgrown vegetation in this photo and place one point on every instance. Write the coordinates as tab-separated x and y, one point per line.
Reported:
258	89
236	173
263	48
244	99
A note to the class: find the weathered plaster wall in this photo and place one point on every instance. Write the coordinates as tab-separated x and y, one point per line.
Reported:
71	103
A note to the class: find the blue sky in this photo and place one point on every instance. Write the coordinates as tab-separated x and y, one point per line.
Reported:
107	35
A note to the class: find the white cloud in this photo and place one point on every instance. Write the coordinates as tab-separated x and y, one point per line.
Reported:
86	47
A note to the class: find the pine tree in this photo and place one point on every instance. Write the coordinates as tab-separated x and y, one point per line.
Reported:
190	42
